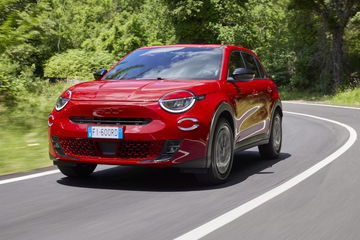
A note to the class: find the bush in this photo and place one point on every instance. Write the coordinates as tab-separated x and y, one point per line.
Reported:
12	85
77	64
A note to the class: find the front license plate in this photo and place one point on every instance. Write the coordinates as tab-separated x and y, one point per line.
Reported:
105	132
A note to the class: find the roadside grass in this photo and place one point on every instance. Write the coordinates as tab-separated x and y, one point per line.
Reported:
23	130
23	149
349	97
290	95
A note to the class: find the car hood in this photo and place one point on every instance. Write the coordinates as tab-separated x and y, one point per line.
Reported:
138	90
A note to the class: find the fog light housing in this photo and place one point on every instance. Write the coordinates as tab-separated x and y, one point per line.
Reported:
57	147
170	148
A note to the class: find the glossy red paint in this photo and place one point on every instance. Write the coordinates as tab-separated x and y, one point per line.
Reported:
252	104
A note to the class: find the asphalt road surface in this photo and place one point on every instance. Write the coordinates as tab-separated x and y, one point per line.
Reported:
149	203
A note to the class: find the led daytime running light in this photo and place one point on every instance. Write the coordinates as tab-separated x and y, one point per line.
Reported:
61	102
177	105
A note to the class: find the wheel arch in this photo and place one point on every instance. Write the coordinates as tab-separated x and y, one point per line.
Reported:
276	108
224	110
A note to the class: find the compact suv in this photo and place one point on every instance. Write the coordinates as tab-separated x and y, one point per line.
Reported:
185	106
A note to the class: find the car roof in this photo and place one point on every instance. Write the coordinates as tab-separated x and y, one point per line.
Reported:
192	45
187	45
199	45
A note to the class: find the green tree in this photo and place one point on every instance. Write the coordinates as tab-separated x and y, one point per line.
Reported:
352	49
334	16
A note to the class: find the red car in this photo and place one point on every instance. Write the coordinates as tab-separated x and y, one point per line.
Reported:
185	106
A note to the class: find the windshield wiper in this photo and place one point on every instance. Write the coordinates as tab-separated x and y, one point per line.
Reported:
158	78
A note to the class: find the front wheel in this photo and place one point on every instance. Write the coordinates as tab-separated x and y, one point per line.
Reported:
272	149
79	170
222	154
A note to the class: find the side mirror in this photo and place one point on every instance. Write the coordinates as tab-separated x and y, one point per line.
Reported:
242	75
100	73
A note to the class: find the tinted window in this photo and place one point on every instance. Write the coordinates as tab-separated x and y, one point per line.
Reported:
261	69
251	64
235	62
186	63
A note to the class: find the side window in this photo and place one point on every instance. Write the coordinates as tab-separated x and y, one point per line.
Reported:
261	69
251	64
235	62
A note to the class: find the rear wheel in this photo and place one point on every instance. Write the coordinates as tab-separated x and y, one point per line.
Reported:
222	154
272	149
79	170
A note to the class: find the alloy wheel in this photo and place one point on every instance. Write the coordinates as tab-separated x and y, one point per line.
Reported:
223	149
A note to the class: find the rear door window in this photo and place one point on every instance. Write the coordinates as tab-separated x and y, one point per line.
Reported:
251	64
261	69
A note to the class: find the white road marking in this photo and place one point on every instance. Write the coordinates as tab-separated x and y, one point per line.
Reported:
35	175
239	211
322	105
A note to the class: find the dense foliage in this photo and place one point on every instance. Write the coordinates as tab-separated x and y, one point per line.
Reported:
310	48
306	45
77	64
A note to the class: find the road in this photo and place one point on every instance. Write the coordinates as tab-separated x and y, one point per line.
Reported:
140	203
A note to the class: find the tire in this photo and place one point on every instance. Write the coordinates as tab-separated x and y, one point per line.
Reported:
77	171
272	149
222	154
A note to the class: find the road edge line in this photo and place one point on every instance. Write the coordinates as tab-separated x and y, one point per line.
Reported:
322	105
30	176
239	211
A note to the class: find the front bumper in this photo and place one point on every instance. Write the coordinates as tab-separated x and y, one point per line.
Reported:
158	143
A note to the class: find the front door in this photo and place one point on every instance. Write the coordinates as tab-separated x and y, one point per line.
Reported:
245	100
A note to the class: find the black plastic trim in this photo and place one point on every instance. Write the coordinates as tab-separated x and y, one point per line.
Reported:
196	163
110	121
64	163
251	142
223	107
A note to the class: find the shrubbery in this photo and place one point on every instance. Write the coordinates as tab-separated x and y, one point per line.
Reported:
77	64
15	81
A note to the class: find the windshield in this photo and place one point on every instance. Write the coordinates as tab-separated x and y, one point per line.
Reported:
185	63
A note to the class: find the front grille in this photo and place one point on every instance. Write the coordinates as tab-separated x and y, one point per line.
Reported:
140	150
77	147
110	121
129	150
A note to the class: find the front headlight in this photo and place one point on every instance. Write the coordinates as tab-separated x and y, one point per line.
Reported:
63	100
177	101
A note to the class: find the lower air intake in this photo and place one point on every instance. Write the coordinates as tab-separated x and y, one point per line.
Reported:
129	150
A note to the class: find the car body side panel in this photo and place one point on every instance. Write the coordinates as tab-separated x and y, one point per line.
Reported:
253	104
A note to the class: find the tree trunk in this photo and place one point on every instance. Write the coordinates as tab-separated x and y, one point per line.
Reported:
337	55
